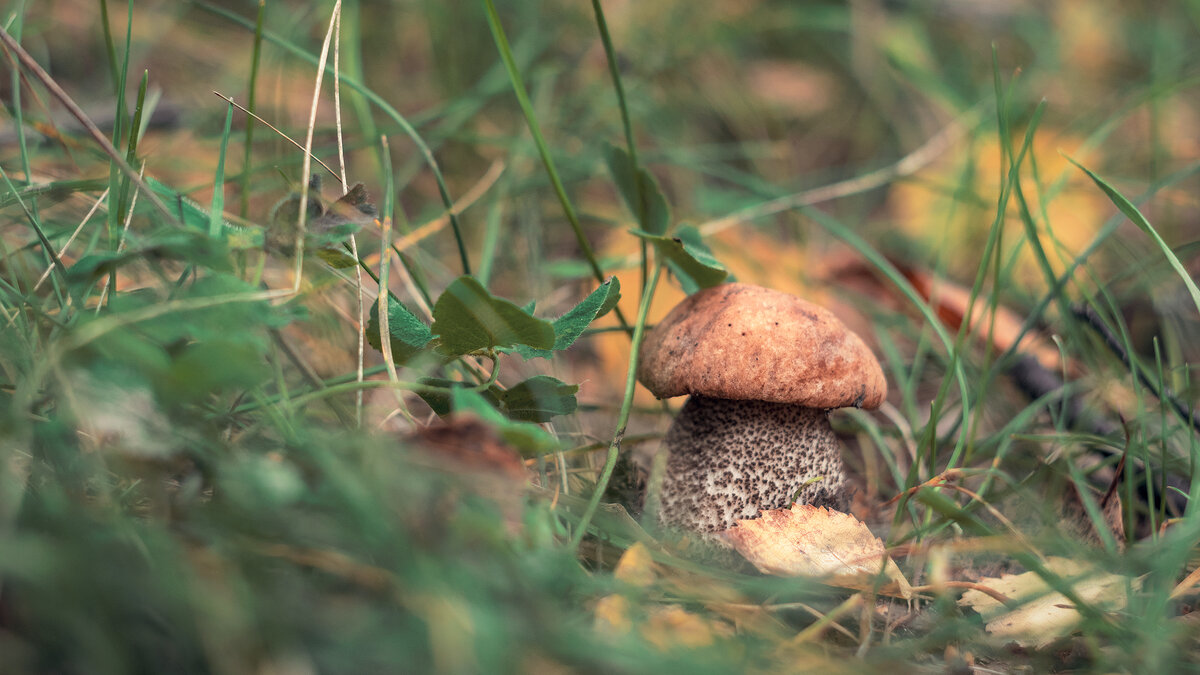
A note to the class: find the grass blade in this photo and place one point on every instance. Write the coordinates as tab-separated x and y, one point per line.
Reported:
251	95
215	218
535	129
1133	214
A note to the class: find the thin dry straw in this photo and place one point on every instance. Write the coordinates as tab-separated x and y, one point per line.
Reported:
358	278
301	218
282	135
91	212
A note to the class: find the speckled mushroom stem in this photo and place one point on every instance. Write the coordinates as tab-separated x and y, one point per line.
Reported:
730	459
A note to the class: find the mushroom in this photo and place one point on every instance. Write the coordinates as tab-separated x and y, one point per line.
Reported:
762	369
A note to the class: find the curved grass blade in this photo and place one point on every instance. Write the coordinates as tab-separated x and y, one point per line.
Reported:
1131	212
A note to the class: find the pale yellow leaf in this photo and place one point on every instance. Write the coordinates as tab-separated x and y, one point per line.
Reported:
808	541
1038	616
612	615
672	626
636	567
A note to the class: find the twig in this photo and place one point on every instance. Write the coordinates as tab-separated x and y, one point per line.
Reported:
331	562
1188	583
990	592
937	481
282	135
818	628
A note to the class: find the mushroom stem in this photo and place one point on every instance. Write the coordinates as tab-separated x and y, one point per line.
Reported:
731	459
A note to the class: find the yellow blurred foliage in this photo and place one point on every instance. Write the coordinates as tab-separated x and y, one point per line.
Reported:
636	567
672	626
664	626
1089	35
1067	215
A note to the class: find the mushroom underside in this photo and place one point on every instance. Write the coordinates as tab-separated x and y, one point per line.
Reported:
730	459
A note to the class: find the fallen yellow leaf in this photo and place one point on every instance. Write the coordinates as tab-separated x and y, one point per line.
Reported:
664	626
612	615
672	626
636	567
1041	616
808	541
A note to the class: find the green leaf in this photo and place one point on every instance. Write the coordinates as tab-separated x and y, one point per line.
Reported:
409	334
640	191
569	326
529	438
196	248
189	212
194	216
688	257
235	321
570	268
614	296
441	399
1131	212
335	258
202	369
539	399
469	319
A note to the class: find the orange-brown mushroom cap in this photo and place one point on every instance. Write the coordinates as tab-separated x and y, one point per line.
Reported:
745	342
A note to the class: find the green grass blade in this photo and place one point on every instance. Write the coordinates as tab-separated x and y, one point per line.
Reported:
251	100
614	71
215	215
535	130
378	101
138	111
17	112
1133	214
110	49
614	448
47	247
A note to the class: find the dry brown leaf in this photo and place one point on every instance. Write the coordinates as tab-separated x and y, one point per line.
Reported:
1042	616
815	542
791	85
951	302
470	445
